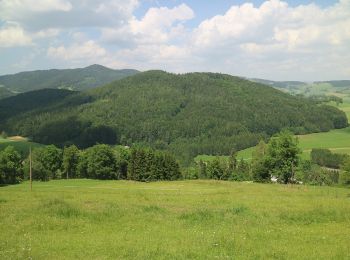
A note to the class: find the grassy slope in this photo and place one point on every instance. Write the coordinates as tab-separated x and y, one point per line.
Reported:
337	141
90	219
21	145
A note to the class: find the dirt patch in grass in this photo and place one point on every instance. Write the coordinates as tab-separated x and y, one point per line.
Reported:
17	138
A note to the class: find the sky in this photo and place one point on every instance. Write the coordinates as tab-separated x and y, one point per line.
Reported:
270	39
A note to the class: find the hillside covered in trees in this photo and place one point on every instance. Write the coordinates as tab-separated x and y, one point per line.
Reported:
73	79
4	92
189	114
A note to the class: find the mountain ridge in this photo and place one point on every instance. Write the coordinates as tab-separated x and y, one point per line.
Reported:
74	79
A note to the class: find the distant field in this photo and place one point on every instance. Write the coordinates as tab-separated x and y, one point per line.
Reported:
338	141
90	219
21	144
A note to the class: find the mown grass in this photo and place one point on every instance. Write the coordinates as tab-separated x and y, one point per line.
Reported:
89	219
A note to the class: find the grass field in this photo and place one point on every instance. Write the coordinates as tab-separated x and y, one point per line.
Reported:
90	219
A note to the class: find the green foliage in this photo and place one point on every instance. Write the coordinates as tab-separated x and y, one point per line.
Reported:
82	165
3	135
70	161
242	172
191	114
324	157
217	170
31	101
326	99
316	175
282	156
46	163
123	158
202	170
10	166
260	170
192	173
150	165
345	177
101	163
73	79
51	159
5	93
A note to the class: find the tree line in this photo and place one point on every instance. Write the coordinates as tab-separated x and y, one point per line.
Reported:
324	157
276	161
97	162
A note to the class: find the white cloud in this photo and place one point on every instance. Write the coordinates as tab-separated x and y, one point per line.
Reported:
277	39
239	24
10	9
157	40
87	51
13	36
47	33
37	15
159	25
273	40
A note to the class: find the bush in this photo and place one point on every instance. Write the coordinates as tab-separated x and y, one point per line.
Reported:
324	157
317	175
46	163
11	171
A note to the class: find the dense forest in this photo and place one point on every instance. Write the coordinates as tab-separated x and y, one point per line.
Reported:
189	114
73	79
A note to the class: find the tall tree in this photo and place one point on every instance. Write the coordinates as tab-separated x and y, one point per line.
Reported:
283	156
70	161
10	166
101	163
52	160
260	171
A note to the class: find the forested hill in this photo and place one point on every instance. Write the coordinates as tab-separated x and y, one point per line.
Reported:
33	100
73	79
189	114
4	93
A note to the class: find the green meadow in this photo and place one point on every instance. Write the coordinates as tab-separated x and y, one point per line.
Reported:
90	219
338	141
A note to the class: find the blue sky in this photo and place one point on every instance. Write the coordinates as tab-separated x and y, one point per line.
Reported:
273	39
